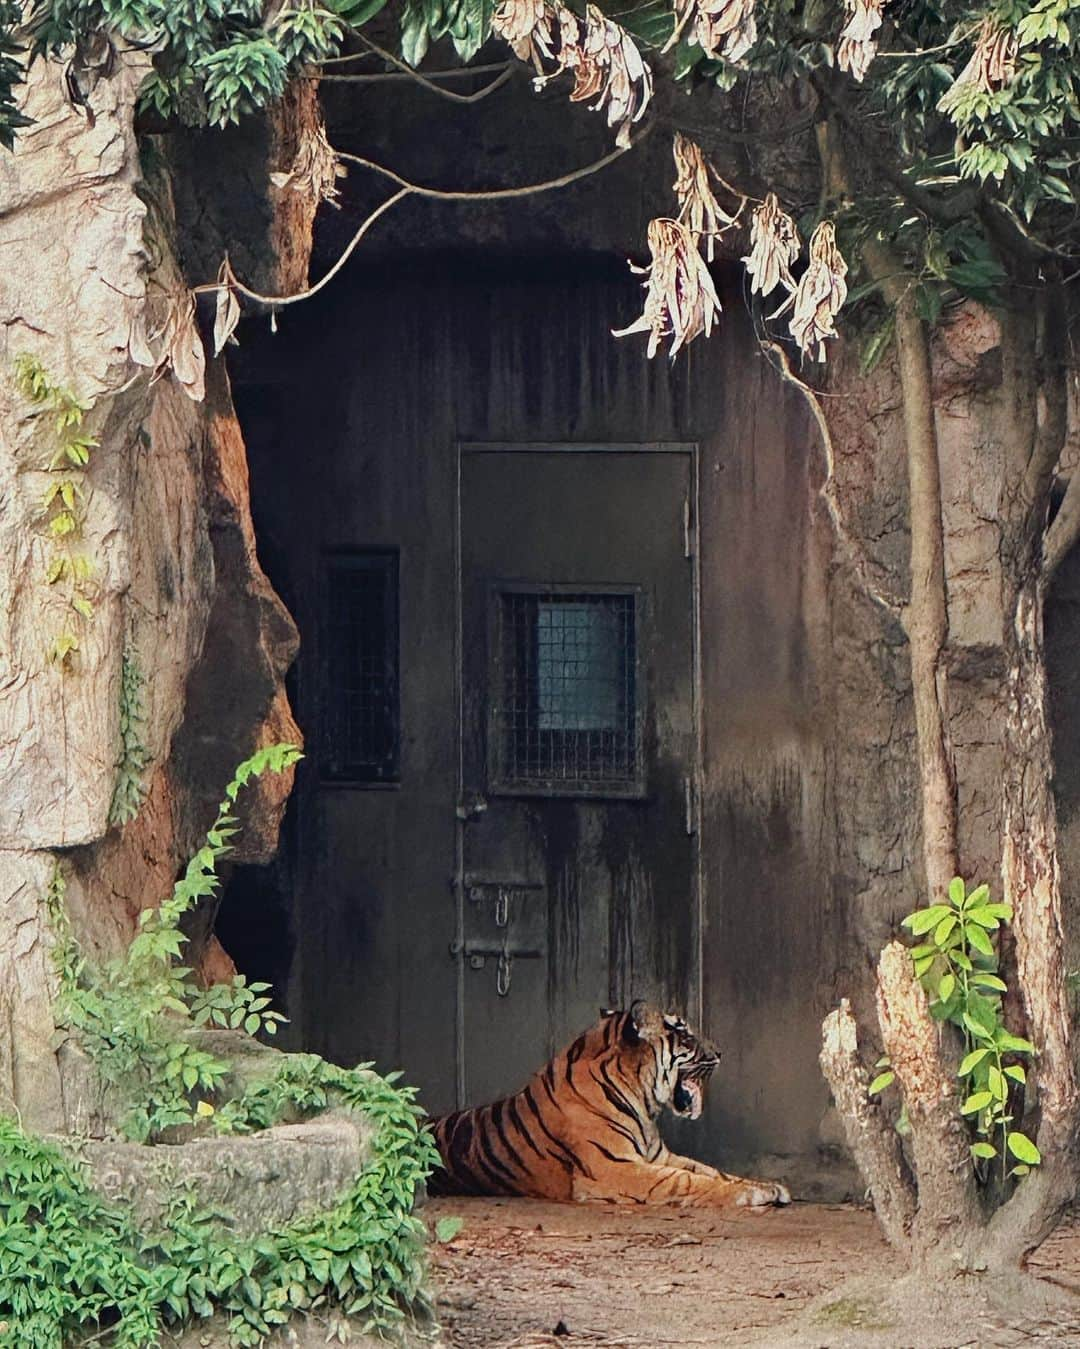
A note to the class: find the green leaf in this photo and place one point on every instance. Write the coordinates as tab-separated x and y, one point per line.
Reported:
1024	1150
980	979
979	1100
957	891
1016	1072
922	920
985	1150
944	929
876	345
971	1061
946	987
978	939
1009	1043
880	1082
446	1229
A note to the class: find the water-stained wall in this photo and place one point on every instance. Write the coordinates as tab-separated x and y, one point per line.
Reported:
352	417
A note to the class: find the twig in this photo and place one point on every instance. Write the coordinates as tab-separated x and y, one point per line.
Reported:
479	94
407	70
495	194
279	301
860	562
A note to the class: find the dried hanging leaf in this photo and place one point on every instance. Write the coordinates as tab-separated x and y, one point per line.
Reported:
607	66
726	28
315	168
527	26
991	67
182	350
857	45
227	309
821	292
680	298
774	246
699	210
137	345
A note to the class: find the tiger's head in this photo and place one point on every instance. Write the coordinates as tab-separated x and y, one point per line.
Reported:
675	1062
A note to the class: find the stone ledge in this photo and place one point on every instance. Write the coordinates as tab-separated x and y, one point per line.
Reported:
255	1182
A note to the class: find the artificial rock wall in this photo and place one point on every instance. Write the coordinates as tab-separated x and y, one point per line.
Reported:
86	231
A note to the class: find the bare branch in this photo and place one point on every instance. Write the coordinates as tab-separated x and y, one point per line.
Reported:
939	1139
495	194
475	97
407	189
874	1143
279	301
406	71
860	562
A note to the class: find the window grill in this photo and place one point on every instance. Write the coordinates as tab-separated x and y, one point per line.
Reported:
565	715
360	699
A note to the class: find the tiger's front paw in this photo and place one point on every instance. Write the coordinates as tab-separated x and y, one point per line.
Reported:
762	1194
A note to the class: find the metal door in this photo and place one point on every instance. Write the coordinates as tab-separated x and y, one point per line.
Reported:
576	880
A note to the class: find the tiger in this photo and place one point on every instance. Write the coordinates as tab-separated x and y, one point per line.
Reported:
585	1126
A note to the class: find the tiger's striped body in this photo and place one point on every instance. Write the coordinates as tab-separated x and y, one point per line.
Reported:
585	1126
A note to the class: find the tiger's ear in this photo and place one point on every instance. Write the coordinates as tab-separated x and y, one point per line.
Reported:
631	1032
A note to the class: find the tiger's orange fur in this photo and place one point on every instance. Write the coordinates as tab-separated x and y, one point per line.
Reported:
585	1126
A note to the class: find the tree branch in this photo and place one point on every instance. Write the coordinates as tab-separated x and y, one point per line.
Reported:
874	1143
960	203
861	563
406	71
408	189
495	194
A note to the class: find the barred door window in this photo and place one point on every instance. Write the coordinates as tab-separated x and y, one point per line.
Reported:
564	708
360	714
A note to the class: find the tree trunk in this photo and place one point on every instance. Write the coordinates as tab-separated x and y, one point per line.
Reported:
1031	884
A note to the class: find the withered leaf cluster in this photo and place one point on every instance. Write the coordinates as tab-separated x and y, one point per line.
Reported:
680	297
774	246
227	307
858	37
182	351
527	26
991	67
315	168
820	293
699	210
726	28
609	71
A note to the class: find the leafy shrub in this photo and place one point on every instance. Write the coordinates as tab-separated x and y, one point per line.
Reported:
73	1266
957	963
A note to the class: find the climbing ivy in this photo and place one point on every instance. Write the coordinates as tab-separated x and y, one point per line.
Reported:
130	789
63	503
74	1268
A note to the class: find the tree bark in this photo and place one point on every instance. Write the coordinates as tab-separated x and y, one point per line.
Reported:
873	1141
948	1205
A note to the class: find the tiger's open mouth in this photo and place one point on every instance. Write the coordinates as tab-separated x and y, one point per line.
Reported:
688	1098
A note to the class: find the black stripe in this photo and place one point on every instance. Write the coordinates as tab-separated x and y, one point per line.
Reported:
483	1143
496	1119
511	1105
565	1155
609	1155
572	1055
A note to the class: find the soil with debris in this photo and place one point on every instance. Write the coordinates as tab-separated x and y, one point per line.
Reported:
522	1274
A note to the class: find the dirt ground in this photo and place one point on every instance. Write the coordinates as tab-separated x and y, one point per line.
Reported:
531	1275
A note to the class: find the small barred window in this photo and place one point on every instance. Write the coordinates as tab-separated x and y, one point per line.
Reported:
360	713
